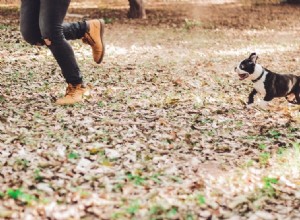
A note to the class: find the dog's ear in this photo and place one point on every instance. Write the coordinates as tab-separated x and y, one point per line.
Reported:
253	57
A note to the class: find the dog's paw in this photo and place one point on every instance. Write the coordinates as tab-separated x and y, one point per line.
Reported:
250	106
291	98
264	105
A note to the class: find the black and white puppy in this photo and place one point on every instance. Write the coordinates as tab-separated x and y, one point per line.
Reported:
268	83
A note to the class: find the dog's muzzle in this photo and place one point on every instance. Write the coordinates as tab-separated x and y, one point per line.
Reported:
242	74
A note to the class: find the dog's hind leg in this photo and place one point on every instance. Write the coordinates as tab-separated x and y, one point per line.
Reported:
294	97
291	98
297	96
297	92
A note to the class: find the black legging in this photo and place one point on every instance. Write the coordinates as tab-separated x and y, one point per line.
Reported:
42	24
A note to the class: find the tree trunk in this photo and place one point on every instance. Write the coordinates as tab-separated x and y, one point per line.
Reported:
136	9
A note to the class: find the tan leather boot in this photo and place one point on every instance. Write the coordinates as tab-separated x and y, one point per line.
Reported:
74	94
94	37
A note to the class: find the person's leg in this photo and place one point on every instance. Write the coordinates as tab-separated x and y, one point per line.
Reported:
30	29
29	22
52	14
74	30
91	33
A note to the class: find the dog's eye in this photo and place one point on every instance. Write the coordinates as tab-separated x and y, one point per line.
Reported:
242	66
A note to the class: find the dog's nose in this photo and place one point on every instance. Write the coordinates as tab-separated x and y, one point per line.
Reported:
235	68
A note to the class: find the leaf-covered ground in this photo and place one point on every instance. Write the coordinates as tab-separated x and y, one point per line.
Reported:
166	134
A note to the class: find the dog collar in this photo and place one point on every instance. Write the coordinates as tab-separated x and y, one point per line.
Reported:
261	75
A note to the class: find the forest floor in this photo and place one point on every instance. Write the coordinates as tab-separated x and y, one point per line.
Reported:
166	133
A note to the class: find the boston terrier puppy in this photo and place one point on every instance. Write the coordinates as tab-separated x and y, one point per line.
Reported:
268	83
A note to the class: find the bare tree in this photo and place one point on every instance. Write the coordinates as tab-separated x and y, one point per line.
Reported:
137	9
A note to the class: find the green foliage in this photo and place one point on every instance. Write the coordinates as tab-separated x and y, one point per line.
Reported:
73	155
156	210
3	26
190	217
249	163
117	215
281	150
264	158
100	104
138	180
37	176
23	163
14	194
133	208
274	134
159	212
268	188
172	212
108	20
297	147
118	187
201	199
262	146
18	194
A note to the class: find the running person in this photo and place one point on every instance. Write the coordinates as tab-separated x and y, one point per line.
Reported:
41	23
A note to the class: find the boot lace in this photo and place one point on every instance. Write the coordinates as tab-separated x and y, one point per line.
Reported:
88	39
70	91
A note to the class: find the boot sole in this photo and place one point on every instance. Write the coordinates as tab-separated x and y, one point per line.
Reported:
101	38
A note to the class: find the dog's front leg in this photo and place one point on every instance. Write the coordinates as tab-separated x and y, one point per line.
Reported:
251	97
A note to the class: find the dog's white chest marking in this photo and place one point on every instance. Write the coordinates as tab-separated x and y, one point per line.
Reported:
260	86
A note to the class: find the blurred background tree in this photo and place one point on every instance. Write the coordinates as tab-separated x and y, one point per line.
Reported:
136	9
